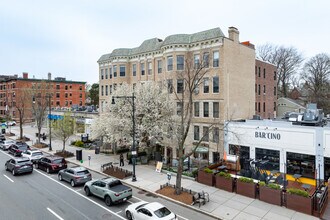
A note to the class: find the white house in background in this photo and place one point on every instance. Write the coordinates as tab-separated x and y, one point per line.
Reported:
289	105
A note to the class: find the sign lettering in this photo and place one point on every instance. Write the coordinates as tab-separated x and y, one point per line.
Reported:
267	135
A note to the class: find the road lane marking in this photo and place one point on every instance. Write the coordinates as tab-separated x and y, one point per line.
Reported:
55	180
119	211
54	213
95	203
79	190
8	178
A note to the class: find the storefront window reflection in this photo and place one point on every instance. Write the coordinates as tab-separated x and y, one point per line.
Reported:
303	164
270	157
326	168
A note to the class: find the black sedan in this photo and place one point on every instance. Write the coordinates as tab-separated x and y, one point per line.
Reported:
19	165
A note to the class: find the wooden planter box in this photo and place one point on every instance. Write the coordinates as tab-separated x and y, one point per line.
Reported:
299	203
272	196
206	178
246	189
223	183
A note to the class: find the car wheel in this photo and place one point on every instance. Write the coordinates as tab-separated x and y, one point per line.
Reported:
129	215
88	191
47	170
108	201
13	172
60	177
72	183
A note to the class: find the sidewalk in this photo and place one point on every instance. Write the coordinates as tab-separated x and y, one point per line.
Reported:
223	205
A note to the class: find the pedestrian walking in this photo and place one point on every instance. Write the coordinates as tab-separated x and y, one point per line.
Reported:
121	158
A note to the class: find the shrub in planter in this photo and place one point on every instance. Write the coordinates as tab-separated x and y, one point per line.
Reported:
246	187
79	143
224	181
270	193
206	177
299	200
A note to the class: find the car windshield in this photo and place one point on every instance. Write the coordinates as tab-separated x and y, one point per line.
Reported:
162	212
23	161
58	161
82	173
23	148
37	154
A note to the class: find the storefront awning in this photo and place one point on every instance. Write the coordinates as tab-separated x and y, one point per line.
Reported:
202	150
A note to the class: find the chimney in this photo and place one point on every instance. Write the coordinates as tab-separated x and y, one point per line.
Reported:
49	76
25	75
233	34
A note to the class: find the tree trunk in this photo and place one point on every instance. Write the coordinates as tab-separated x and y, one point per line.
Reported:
21	131
39	134
63	146
179	176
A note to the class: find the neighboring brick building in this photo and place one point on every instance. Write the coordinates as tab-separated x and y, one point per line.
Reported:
265	90
227	91
65	93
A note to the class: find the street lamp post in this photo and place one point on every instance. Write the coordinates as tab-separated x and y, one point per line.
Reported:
133	118
50	123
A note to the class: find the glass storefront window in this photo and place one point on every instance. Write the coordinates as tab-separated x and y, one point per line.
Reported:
243	152
326	168
272	156
303	164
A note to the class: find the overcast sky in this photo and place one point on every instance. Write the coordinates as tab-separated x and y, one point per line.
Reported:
67	37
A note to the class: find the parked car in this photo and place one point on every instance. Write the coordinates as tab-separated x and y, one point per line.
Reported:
51	164
109	189
18	149
75	175
19	165
33	155
9	123
145	210
6	144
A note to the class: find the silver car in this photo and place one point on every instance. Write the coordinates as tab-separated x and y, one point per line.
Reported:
33	155
6	144
75	175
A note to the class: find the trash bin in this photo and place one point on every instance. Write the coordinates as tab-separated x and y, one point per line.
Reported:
97	150
79	155
3	131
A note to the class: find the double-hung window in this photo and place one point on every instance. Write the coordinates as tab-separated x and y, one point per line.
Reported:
134	69
216	84
149	68
179	85
216	109
196	61
215	58
122	70
205	109
169	63
196	133
206	57
115	71
180	62
196	109
159	66
102	74
206	85
142	69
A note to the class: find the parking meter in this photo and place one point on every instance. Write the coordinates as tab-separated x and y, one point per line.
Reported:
89	159
169	175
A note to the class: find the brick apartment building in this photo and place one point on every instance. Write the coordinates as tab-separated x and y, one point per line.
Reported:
64	93
265	90
227	91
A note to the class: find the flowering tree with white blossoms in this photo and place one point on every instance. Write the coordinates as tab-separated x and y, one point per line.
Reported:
154	114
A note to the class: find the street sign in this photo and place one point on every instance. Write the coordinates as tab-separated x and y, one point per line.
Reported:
134	152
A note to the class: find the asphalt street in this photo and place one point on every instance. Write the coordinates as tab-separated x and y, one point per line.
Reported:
42	196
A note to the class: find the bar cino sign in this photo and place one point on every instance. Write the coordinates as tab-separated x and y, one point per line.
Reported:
267	135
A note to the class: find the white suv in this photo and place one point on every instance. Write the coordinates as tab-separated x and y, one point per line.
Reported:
33	155
6	144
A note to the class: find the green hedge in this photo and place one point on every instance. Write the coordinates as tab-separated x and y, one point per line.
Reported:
79	144
298	192
208	170
270	185
224	174
245	180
